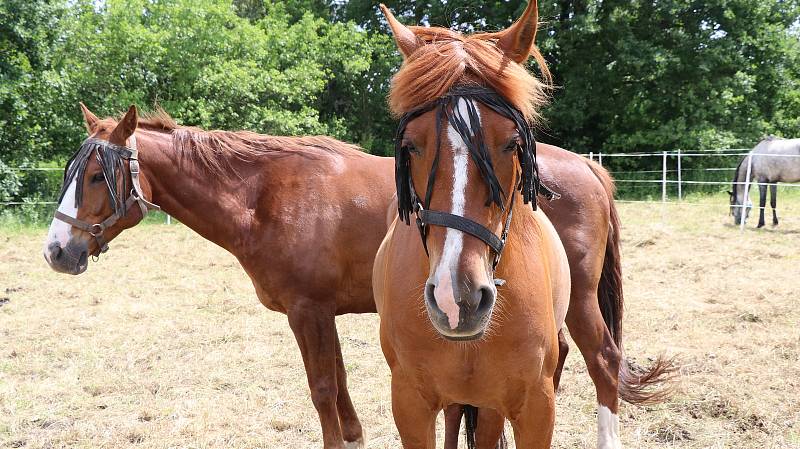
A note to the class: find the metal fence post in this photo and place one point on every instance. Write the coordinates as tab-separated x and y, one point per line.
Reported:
169	219
664	177
591	155
600	158
746	197
680	178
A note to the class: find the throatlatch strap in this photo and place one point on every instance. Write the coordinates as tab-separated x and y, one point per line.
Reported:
463	224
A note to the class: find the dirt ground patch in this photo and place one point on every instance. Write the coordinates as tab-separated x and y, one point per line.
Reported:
162	344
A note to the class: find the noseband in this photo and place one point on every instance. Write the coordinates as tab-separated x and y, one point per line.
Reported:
110	157
468	127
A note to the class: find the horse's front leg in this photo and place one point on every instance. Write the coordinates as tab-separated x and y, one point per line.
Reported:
414	417
452	425
533	425
315	331
489	431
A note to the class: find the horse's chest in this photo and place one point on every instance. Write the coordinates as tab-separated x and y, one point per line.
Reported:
472	374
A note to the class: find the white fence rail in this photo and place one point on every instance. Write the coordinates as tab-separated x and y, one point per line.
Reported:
679	171
667	169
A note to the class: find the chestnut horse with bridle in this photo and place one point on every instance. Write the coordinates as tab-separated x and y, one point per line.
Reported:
465	103
304	216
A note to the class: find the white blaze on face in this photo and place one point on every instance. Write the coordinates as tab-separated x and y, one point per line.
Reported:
607	429
61	232
454	240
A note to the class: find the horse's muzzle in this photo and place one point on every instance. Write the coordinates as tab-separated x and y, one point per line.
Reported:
474	311
71	259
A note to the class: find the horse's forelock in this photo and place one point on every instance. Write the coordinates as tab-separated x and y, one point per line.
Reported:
449	59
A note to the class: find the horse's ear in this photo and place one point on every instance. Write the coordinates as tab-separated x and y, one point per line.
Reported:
127	125
89	119
407	42
517	40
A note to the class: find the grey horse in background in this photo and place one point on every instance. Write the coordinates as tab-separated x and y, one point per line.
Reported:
773	160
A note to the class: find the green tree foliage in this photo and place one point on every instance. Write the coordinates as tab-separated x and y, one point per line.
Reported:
212	68
28	123
463	15
271	71
646	75
651	76
630	75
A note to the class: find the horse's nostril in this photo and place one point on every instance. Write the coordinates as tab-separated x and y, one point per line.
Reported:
83	259
429	296
487	299
55	251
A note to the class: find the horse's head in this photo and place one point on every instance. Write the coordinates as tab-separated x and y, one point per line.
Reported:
97	195
736	208
464	147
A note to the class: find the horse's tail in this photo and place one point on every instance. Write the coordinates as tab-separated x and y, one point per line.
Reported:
637	385
471	423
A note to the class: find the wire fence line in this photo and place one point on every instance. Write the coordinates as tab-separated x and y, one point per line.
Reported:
664	179
682	154
679	170
710	183
36	169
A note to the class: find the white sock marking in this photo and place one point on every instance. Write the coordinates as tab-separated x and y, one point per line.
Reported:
454	240
607	429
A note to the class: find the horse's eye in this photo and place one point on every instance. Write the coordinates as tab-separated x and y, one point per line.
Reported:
410	148
513	145
98	177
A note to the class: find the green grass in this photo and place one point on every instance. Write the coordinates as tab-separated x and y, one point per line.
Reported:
162	344
36	218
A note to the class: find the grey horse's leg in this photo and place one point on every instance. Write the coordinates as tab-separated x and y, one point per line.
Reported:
773	201
762	201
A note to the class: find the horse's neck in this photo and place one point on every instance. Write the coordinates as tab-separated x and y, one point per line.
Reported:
184	189
742	178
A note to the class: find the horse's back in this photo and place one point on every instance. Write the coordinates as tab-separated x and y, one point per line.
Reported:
777	160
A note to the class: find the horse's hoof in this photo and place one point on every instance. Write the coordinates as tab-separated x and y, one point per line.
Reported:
357	444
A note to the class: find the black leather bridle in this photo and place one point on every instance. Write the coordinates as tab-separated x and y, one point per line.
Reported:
470	131
110	157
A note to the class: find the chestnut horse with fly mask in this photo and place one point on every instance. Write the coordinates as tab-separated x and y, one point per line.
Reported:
464	160
438	63
304	217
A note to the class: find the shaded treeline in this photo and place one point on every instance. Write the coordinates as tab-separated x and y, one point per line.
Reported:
636	75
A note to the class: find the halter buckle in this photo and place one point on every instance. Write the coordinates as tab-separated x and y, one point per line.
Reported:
100	231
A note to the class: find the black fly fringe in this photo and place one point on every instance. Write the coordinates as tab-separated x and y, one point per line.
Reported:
110	157
530	185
